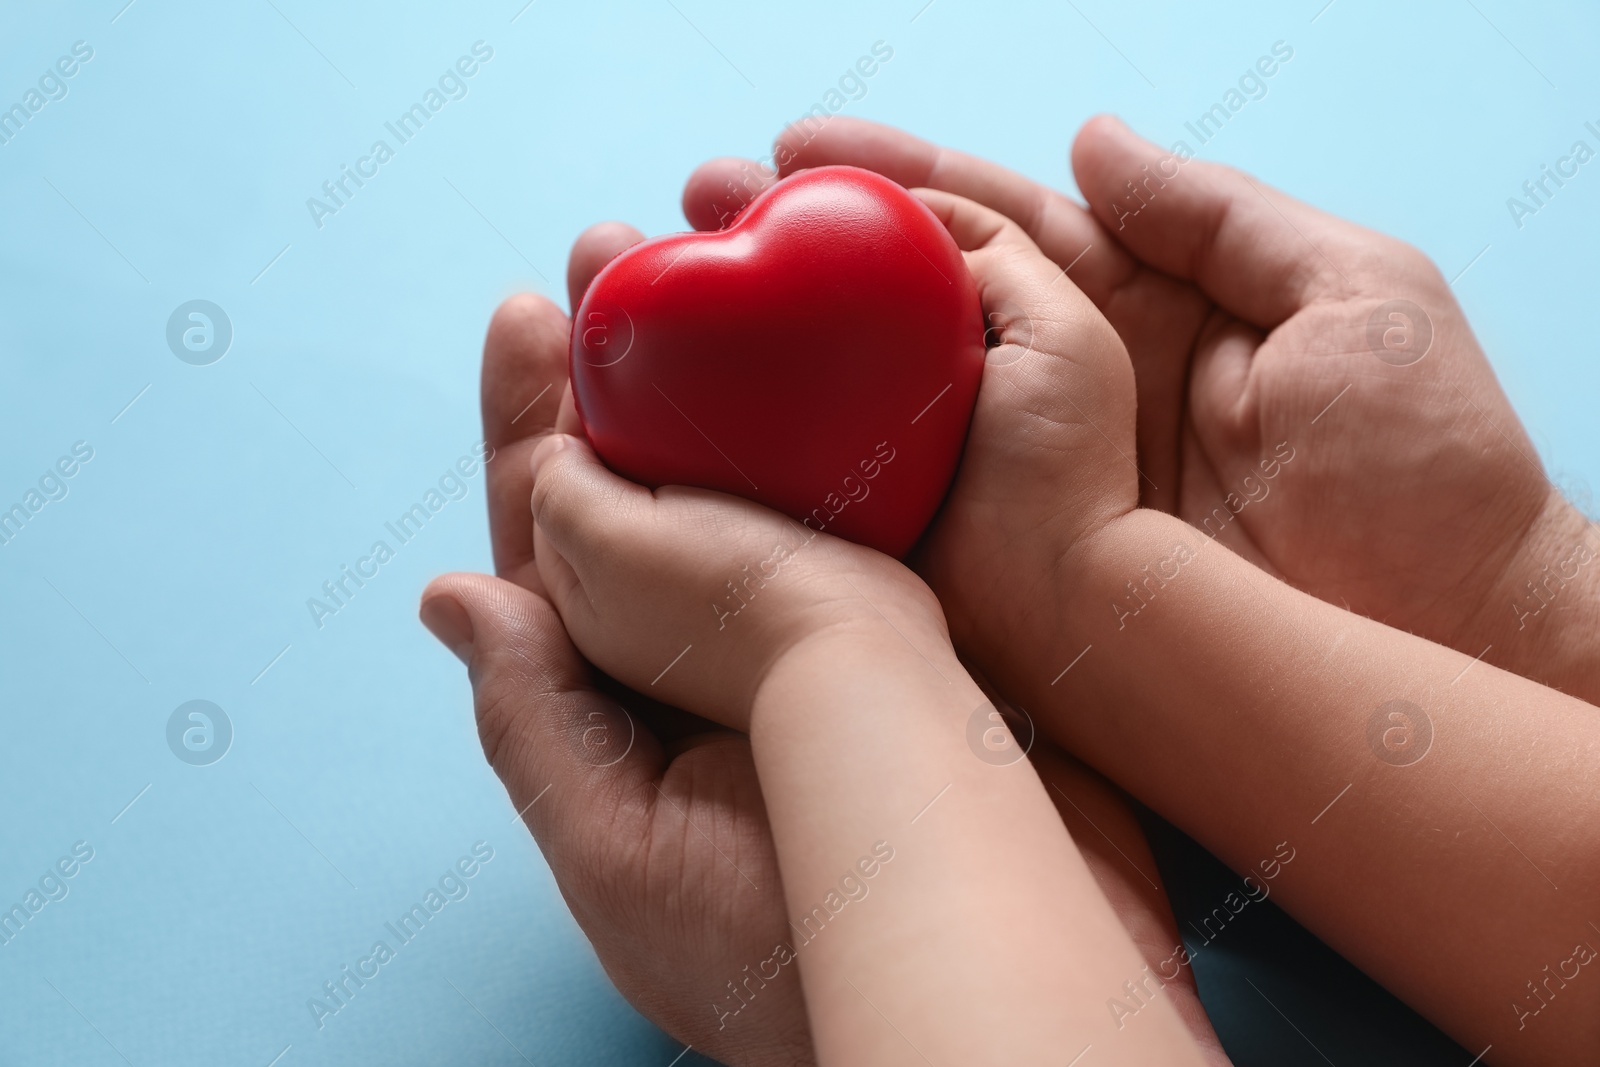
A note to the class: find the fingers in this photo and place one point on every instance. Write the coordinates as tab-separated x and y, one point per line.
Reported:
641	578
525	393
573	761
583	516
1062	229
720	188
1258	253
524	352
1028	300
524	376
594	248
972	225
576	499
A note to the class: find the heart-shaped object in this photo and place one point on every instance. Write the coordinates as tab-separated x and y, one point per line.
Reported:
821	356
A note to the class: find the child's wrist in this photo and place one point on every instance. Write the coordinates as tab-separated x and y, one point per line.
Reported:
1539	618
1120	571
875	635
1101	586
826	599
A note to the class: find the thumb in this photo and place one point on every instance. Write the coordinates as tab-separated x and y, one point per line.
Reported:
1258	253
1050	453
571	759
1056	369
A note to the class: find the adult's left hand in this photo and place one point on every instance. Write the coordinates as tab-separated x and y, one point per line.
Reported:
651	820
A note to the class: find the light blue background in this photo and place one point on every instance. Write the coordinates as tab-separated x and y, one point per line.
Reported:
181	561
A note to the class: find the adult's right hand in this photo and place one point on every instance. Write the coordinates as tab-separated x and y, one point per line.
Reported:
1358	447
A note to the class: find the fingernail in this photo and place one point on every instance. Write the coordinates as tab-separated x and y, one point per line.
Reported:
448	620
547	448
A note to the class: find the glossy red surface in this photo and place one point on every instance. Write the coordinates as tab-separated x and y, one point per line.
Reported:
821	355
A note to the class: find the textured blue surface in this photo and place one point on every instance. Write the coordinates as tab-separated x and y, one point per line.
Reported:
178	564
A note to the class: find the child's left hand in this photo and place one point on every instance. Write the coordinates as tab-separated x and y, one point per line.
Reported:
690	596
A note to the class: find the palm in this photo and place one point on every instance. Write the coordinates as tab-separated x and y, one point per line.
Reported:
1364	486
694	876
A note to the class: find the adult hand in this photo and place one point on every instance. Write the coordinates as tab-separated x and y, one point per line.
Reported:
1289	405
651	820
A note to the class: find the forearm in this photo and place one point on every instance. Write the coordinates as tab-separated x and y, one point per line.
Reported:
1541	619
1249	714
984	939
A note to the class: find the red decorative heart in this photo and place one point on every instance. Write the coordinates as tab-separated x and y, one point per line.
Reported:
821	356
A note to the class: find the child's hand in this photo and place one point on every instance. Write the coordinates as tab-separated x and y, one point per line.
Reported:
1050	454
690	596
1416	498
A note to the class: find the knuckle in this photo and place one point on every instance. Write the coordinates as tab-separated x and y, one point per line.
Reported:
583	513
554	495
1419	263
1387	261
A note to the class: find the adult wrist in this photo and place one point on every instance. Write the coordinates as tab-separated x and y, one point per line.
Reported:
1541	617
